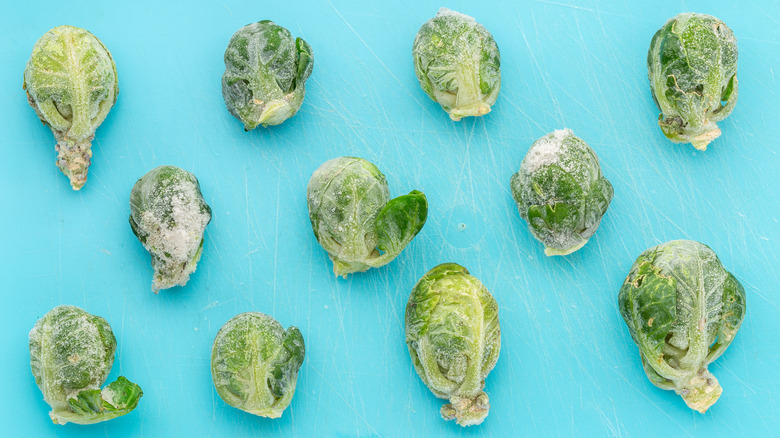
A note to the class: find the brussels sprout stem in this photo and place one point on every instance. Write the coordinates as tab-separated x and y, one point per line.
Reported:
276	111
475	109
343	268
468	102
167	274
700	142
467	411
700	391
548	251
73	159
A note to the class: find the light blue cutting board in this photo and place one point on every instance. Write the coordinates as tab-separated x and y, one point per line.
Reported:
567	365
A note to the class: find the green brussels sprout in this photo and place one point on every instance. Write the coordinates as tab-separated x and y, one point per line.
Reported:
255	363
692	65
682	309
354	219
561	192
265	74
71	83
168	215
454	339
458	64
71	354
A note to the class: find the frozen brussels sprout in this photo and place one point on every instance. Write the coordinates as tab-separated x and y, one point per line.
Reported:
355	220
561	192
71	354
255	363
454	339
458	64
682	309
265	74
168	215
71	84
692	65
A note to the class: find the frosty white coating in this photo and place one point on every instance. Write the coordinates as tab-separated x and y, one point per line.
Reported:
169	217
545	151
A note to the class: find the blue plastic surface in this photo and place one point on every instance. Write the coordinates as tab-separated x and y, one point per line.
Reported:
567	366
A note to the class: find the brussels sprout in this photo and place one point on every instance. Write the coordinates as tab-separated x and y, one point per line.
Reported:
168	215
71	84
560	192
255	363
71	354
265	73
692	65
454	339
682	309
354	218
457	63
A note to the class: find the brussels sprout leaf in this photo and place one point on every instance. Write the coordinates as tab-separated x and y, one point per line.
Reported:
397	224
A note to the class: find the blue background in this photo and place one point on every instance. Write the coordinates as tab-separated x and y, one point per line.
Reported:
567	366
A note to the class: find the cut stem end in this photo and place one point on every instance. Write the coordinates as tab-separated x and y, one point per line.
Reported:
701	391
467	411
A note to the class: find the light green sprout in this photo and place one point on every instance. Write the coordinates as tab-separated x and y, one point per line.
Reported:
168	215
355	220
692	65
458	64
683	310
561	192
71	354
265	74
71	83
454	339
255	363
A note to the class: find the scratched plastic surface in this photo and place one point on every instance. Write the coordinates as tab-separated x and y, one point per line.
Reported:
567	366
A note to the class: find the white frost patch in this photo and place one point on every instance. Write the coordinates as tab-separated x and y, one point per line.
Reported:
110	396
545	151
444	12
179	244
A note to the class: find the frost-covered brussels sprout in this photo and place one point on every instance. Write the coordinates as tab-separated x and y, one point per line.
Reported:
454	339
255	363
458	64
692	65
169	216
354	218
682	309
265	73
561	192
71	354
71	84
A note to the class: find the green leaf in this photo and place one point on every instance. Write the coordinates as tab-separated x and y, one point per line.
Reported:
397	224
283	373
94	405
